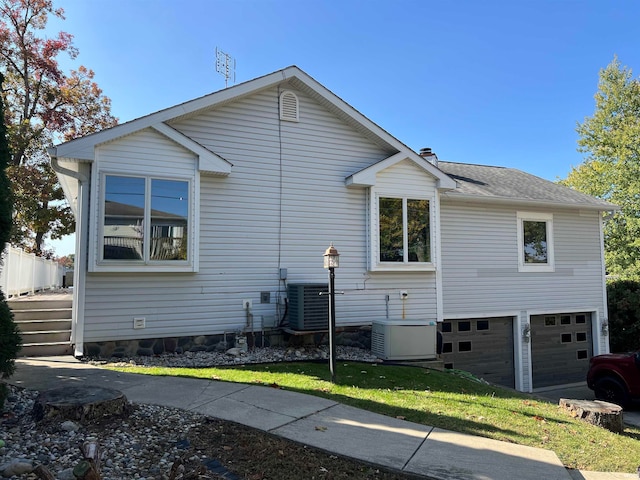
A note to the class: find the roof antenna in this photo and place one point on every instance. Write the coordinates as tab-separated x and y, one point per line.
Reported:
226	66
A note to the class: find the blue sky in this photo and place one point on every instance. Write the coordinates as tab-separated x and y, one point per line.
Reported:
488	82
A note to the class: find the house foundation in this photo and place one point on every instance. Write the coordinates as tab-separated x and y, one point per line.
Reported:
359	337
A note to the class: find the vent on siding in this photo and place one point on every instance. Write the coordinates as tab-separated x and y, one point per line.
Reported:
308	310
289	106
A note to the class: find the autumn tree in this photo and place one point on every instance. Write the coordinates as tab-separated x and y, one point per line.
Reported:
610	139
43	105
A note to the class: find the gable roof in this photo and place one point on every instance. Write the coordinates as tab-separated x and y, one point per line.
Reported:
367	176
82	149
481	183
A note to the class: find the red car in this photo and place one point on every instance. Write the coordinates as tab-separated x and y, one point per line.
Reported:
615	377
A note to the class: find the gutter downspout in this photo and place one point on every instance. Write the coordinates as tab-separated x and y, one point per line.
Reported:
80	260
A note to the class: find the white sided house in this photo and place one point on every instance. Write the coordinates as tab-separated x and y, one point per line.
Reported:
208	221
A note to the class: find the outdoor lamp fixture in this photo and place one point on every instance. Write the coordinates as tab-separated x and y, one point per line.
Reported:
331	257
331	262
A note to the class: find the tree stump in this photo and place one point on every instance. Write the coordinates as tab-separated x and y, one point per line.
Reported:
596	412
81	403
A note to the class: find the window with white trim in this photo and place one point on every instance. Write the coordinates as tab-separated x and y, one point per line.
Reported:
535	242
145	221
404	232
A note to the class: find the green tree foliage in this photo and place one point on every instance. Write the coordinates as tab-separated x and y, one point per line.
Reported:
10	340
624	315
43	106
610	139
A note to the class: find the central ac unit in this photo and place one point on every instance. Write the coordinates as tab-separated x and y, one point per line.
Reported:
404	340
308	310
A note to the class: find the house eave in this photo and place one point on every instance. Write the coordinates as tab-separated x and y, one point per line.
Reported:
367	176
456	197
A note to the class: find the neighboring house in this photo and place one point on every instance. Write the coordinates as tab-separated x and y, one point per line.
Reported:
190	215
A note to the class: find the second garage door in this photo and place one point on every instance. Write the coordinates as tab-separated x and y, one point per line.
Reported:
561	346
482	346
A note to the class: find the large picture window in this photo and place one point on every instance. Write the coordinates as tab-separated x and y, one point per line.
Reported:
404	230
535	242
145	220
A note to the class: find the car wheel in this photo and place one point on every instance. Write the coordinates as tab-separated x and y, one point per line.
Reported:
610	389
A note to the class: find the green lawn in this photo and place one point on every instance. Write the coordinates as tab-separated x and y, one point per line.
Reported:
446	400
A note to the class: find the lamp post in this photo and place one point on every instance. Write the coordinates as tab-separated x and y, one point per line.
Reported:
331	262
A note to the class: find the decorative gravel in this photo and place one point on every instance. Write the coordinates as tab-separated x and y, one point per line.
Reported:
235	356
142	445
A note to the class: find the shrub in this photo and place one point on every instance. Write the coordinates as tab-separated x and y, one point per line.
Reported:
624	315
10	343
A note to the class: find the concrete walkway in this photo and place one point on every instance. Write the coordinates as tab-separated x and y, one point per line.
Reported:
331	426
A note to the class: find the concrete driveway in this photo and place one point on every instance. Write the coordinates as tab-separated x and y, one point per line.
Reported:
582	392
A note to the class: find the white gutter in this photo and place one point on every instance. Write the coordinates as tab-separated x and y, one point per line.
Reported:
454	196
80	259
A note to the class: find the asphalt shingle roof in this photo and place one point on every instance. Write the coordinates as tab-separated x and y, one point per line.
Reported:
504	184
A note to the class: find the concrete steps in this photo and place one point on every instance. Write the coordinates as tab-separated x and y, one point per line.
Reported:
44	323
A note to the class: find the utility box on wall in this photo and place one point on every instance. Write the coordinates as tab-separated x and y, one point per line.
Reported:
308	310
404	340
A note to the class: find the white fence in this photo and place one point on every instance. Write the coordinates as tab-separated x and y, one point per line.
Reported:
25	273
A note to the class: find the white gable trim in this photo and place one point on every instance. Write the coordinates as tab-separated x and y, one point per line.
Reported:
367	177
83	148
208	162
79	147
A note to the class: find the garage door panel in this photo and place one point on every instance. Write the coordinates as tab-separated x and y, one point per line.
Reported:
482	346
561	346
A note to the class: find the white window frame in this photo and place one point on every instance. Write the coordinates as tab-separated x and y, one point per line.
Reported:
146	265
549	266
404	266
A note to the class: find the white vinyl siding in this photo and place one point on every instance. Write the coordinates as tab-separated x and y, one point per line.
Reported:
281	206
480	262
